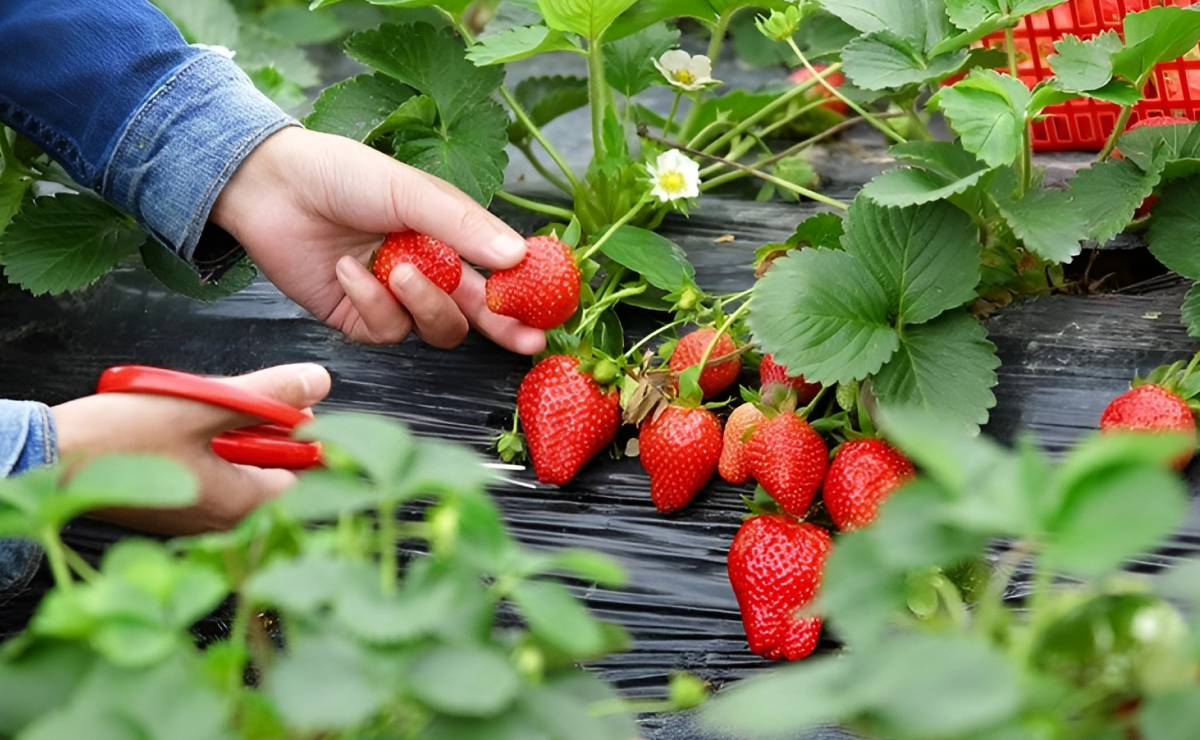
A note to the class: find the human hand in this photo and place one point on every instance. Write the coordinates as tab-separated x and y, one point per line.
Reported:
309	206
124	423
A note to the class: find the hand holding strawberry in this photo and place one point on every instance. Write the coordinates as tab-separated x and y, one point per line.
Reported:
541	291
433	258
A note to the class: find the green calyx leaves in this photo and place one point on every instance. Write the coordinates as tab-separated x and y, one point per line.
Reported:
886	305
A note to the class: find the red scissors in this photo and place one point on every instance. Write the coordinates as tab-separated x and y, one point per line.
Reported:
267	445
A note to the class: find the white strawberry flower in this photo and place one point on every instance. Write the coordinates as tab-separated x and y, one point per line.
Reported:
685	71
674	176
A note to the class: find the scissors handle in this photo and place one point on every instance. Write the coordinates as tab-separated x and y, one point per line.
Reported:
163	382
263	445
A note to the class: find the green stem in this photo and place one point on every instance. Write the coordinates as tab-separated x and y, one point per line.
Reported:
592	314
885	130
79	565
1118	129
6	150
703	134
721	332
1191	366
671	116
388	564
919	123
537	134
535	206
57	558
542	170
770	108
1027	159
660	330
1011	48
953	601
745	145
595	246
597	95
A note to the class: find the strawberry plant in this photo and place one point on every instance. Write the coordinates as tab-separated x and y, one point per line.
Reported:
349	620
1052	640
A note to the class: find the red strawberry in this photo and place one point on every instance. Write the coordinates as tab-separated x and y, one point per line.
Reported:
772	372
837	79
788	459
435	259
1148	204
568	418
775	568
1151	408
714	378
679	448
734	467
863	473
542	291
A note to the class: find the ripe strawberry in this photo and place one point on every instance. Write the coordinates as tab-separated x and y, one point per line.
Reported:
772	372
788	459
837	79
435	259
541	291
1148	204
714	378
1151	408
775	568
679	448
863	473
567	417
734	467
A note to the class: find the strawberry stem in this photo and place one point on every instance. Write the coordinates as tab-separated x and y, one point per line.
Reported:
885	130
535	206
813	403
712	345
641	343
595	246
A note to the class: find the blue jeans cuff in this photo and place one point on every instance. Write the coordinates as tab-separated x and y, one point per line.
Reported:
28	440
183	145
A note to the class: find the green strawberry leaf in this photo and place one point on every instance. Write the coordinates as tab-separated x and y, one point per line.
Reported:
967	14
911	21
926	258
587	18
882	60
987	110
182	278
823	315
545	99
1043	219
910	186
1170	715
946	365
1141	145
1191	311
1108	194
1175	229
13	187
518	43
213	22
824	231
66	242
1085	65
355	108
654	257
259	48
432	61
629	63
1154	36
468	152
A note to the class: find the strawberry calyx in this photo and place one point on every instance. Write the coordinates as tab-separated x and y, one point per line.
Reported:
510	444
1179	378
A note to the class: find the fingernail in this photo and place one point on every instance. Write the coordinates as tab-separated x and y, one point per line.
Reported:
509	248
340	269
313	379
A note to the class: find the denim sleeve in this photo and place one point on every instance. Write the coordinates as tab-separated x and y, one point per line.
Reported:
27	440
113	93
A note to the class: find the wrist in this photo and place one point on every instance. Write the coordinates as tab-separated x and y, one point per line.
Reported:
259	174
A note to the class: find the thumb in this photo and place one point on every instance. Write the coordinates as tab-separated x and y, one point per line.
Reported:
299	386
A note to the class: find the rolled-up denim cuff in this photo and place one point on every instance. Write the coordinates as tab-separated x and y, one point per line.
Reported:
184	143
28	440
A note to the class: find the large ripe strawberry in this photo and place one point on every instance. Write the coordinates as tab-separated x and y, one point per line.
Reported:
714	378
863	473
772	372
1148	204
679	448
568	418
435	259
541	291
734	467
775	568
1151	408
788	459
837	79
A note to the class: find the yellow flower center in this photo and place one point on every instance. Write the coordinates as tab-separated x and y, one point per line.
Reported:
683	76
672	182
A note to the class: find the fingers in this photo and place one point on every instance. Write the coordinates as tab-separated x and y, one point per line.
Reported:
438	320
380	318
503	330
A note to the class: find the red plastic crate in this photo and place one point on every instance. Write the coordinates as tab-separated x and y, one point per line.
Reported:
1085	124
